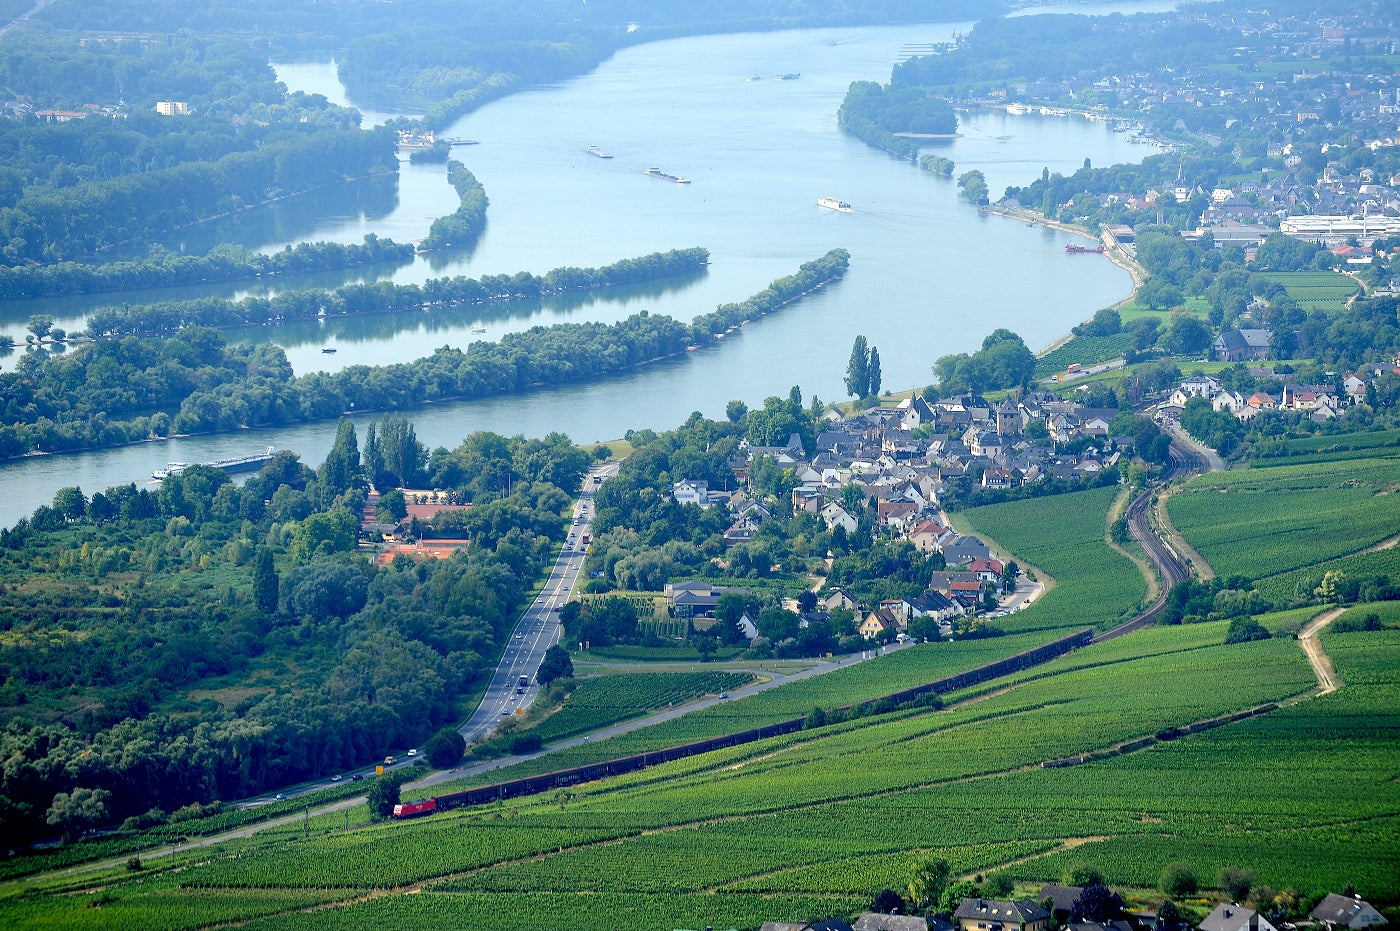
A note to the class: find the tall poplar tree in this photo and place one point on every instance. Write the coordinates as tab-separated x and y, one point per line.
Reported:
873	376
341	470
265	581
858	369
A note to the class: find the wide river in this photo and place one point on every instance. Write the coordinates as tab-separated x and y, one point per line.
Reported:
929	274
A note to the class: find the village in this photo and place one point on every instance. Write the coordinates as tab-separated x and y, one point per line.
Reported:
1067	908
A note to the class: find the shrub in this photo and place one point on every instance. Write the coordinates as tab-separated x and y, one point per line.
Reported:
1245	629
445	748
1351	625
888	902
1084	874
1236	882
1178	881
525	743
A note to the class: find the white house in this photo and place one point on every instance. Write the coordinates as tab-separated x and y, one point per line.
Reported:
692	491
834	514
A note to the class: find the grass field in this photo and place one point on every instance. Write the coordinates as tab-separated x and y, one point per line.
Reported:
1264	522
1096	586
605	700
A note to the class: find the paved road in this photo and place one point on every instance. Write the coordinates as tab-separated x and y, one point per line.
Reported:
1211	458
1063	378
537	631
539	628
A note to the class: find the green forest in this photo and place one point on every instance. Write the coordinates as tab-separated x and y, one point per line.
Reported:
123	388
236	634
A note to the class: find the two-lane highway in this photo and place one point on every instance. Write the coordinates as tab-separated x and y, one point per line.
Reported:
539	628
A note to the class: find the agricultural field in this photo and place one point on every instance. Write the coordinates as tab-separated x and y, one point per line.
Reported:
1319	782
158	904
1095	586
511	912
604	700
1086	350
1264	522
858	682
773	816
1300	584
1326	447
1387	611
813	823
1326	291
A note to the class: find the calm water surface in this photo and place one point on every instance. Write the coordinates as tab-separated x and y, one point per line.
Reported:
929	275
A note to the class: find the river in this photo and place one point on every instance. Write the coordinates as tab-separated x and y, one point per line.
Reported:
929	275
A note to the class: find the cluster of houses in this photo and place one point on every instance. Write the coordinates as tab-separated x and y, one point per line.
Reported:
953	593
901	458
1055	907
1317	402
389	539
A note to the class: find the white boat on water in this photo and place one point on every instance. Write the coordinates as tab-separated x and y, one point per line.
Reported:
478	329
831	203
171	468
597	152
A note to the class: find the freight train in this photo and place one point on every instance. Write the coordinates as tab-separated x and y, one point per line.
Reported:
534	785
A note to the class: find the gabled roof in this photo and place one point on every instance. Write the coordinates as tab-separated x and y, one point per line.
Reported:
830	924
874	921
1061	897
1019	911
1353	912
1228	916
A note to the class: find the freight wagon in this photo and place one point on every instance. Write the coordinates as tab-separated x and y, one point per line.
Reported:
534	785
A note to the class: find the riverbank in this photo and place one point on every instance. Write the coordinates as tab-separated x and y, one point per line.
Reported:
561	355
1113	251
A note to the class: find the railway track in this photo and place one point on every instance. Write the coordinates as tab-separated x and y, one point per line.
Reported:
1170	567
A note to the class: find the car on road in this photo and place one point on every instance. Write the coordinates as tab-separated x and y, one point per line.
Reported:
723	694
356	778
336	778
519	636
413	753
281	797
388	761
505	711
